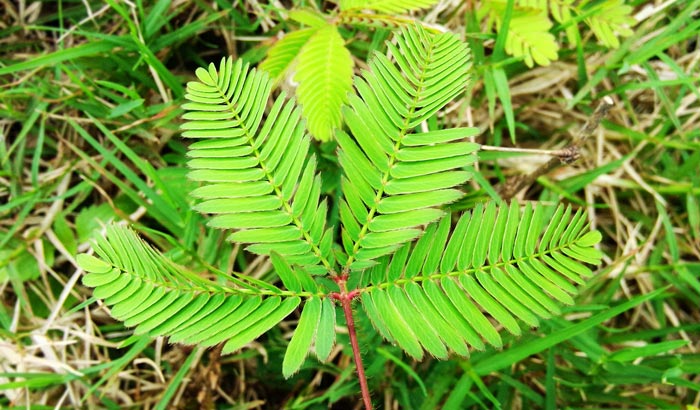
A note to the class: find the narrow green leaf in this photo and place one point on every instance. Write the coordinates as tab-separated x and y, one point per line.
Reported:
397	264
404	220
491	305
112	288
496	242
375	317
535	298
589	239
446	331
125	292
420	168
452	315
524	232
451	253
424	331
266	219
261	323
442	136
542	281
503	91
511	230
434	256
466	250
176	318
407	202
92	264
432	152
505	296
133	301
143	320
481	242
652	349
155	298
419	252
426	182
284	271
395	323
554	222
303	337
96	280
470	312
165	311
325	335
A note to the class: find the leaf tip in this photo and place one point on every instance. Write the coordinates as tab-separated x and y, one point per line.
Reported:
92	264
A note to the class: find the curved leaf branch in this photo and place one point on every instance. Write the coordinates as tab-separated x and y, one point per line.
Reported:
258	176
504	262
146	290
395	180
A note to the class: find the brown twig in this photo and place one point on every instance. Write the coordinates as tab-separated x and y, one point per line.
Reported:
564	156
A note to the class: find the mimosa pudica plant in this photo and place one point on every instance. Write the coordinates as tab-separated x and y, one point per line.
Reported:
429	280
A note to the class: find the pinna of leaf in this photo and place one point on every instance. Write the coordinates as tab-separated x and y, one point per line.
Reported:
426	285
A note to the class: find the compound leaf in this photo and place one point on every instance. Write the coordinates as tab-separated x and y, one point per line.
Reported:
146	290
395	179
282	54
324	74
252	168
612	19
515	283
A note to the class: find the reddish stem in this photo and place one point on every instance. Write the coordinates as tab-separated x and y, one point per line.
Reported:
346	301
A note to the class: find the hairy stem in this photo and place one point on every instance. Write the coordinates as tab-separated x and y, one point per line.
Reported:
347	309
345	298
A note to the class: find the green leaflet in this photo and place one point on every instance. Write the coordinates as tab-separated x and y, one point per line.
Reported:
92	264
396	324
96	278
256	324
303	337
284	271
325	334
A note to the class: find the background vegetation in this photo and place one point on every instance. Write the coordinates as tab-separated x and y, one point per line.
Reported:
89	111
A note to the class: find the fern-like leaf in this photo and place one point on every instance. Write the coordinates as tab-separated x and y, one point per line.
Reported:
529	37
507	264
387	6
610	20
562	12
146	290
258	177
282	54
395	180
324	74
